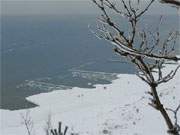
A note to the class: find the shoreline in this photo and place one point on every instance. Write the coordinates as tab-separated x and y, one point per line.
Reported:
119	107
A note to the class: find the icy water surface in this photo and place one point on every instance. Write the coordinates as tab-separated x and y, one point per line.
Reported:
46	53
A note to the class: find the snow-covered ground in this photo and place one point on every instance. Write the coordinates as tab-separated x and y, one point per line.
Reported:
120	108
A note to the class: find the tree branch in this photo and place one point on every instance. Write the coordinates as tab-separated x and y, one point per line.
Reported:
173	2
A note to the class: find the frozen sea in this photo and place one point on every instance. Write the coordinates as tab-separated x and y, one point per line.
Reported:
46	53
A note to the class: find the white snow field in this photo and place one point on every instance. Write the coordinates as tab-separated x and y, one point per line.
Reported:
120	108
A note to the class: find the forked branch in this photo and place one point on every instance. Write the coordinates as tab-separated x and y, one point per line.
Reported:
144	48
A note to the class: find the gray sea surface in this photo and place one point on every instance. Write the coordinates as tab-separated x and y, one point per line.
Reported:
46	53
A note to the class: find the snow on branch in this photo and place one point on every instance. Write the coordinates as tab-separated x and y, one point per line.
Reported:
109	30
145	48
173	2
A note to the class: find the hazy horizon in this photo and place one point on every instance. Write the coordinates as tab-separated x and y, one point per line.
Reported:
46	7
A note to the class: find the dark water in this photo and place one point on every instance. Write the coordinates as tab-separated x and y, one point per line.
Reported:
43	53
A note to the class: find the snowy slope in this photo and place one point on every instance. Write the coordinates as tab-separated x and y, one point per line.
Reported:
120	108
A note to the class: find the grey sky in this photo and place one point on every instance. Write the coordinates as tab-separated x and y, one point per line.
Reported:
56	7
44	7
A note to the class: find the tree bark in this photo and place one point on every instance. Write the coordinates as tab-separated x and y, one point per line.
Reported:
159	106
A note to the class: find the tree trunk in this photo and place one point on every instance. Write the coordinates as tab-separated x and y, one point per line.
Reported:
159	106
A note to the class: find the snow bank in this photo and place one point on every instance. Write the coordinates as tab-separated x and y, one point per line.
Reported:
120	108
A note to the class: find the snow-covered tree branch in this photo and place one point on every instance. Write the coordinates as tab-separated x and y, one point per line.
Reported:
173	2
142	47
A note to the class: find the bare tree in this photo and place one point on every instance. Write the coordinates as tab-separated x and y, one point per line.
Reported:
27	122
142	47
48	125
